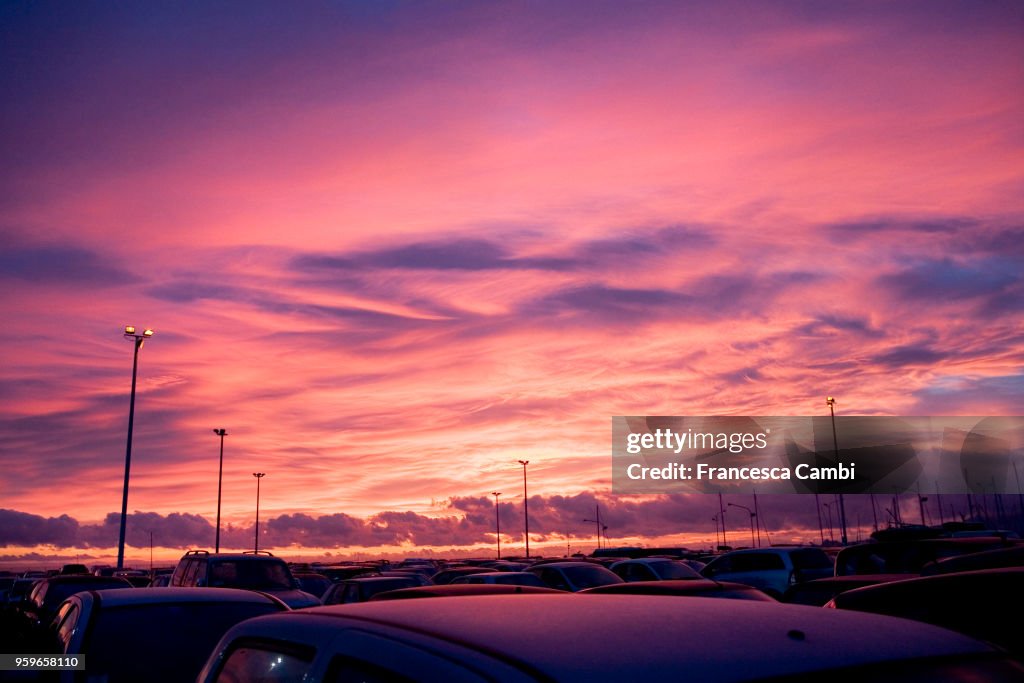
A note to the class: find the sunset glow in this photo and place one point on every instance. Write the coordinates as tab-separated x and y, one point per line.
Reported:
394	248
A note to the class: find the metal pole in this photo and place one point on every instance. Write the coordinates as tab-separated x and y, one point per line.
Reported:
721	513
526	509
835	443
497	521
220	478
128	455
821	528
258	475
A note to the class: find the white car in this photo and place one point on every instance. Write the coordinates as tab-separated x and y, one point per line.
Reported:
530	638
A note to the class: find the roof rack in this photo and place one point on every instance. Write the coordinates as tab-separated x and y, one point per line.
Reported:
258	552
197	552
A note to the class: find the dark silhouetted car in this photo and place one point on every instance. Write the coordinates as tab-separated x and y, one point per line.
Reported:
519	638
462	589
987	559
819	591
968	602
702	588
313	583
361	589
653	569
248	571
158	634
48	594
574	576
911	556
448	575
773	570
507	578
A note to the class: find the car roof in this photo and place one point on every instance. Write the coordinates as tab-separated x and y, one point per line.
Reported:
463	589
148	596
674	586
633	637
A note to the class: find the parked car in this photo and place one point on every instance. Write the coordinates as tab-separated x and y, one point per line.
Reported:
313	583
697	588
773	570
448	575
159	634
987	559
361	589
506	578
977	603
819	591
450	590
653	569
249	571
420	578
910	556
47	594
511	639
574	576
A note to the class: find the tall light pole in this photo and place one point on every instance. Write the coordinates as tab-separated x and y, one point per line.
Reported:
752	515
526	509
138	340
835	444
258	475
220	478
497	521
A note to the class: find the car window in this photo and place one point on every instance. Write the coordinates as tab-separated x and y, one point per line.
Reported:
265	662
191	570
810	558
757	562
352	670
251	574
554	579
674	570
66	619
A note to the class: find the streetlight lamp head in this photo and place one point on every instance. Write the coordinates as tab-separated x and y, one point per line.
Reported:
495	493
129	329
830	400
524	463
147	332
259	474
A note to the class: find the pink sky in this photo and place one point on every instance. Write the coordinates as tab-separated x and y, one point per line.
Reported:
393	250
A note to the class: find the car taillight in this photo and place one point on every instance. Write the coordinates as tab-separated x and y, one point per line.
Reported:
831	604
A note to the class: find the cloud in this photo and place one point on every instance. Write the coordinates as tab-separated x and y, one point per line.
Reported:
946	279
62	265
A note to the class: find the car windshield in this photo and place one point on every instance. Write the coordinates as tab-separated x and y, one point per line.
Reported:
162	642
585	576
251	574
673	570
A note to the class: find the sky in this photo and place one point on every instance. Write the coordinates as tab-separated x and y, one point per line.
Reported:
394	248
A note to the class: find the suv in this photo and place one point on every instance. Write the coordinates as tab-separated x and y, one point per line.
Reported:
773	570
251	571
